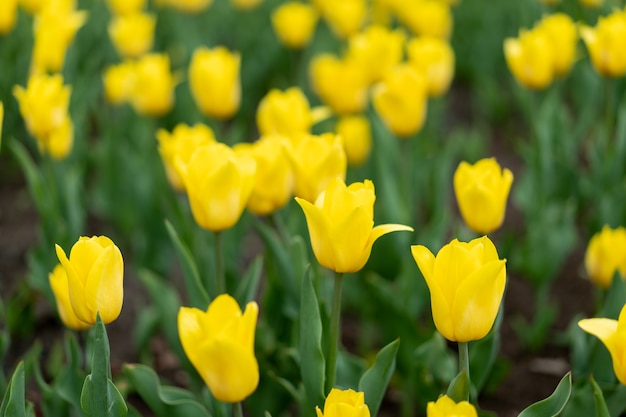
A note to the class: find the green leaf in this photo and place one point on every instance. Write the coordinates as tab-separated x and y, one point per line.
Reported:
312	363
198	296
14	401
375	380
554	404
249	285
598	399
459	387
164	401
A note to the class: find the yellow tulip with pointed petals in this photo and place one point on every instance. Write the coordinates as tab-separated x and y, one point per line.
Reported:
605	43
344	403
563	35
95	274
446	407
60	289
341	225
605	255
466	282
220	345
529	58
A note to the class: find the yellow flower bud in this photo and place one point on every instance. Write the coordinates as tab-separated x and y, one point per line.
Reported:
60	289
612	333
481	192
132	34
220	345
8	16
529	58
345	17
119	82
187	6
446	407
606	255
341	84
605	44
562	34
341	225
294	24
316	160
357	138
123	7
284	113
176	148
344	403
426	17
401	101
153	87
218	183
245	4
466	283
214	81
95	273
434	59
377	50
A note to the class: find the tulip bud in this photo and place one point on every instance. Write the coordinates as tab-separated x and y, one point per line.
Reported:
8	16
153	87
60	289
562	34
119	82
376	50
294	24
605	44
357	138
344	403
431	18
341	84
434	59
529	59
132	34
31	6
606	255
446	407
284	112
345	17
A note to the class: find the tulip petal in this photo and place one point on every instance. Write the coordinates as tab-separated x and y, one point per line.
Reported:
454	262
247	326
84	254
222	313
383	229
191	332
603	329
104	289
425	261
319	233
350	238
60	289
76	287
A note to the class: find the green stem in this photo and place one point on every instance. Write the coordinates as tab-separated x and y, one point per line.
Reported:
608	113
219	265
464	361
333	334
238	409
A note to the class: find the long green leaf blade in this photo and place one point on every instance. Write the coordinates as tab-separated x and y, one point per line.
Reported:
375	380
554	404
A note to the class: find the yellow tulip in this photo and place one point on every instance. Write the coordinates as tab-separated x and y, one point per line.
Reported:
377	49
563	36
220	345
606	255
605	44
294	24
481	192
530	58
344	403
284	112
218	183
123	7
613	334
426	17
132	34
274	179
8	16
60	289
187	6
357	138
214	81
401	101
153	86
60	141
316	160
95	273
466	283
345	17
119	82
245	4
341	225
446	407
433	58
31	6
176	148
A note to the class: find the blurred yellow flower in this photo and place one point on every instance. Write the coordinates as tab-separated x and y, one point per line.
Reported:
612	333
122	7
31	6
563	35
341	225
176	148
591	3
425	17
214	81
60	289
187	6
606	255
153	87
218	183
132	34
8	16
605	44
357	138
530	58
344	403
284	112
376	50
60	140
95	274
294	24
341	84
315	161
481	192
433	58
119	82
466	283
446	407
245	4
345	17
220	345
401	101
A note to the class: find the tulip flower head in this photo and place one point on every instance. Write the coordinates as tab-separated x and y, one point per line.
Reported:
481	191
434	59
341	225
446	407
357	138
153	85
612	333
8	16
591	3
122	7
426	17
119	82
95	273
376	50
294	24
529	58
605	43
220	345
606	255
132	34
563	35
60	289
345	17
344	403
466	283
284	113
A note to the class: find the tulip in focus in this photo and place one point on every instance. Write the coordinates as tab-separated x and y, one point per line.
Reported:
124	7
220	345
345	17
481	192
376	50
612	333
60	289
153	86
563	35
294	24
284	112
431	18
433	58
341	84
218	183
132	34
357	138
176	148
341	225
605	44
214	81
606	255
344	403
401	101
446	407
119	82
8	16
466	283
529	58
245	4
95	273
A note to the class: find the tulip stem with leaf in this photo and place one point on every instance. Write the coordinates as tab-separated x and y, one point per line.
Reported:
333	334
464	361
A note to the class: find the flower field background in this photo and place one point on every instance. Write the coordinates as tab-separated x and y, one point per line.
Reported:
197	201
